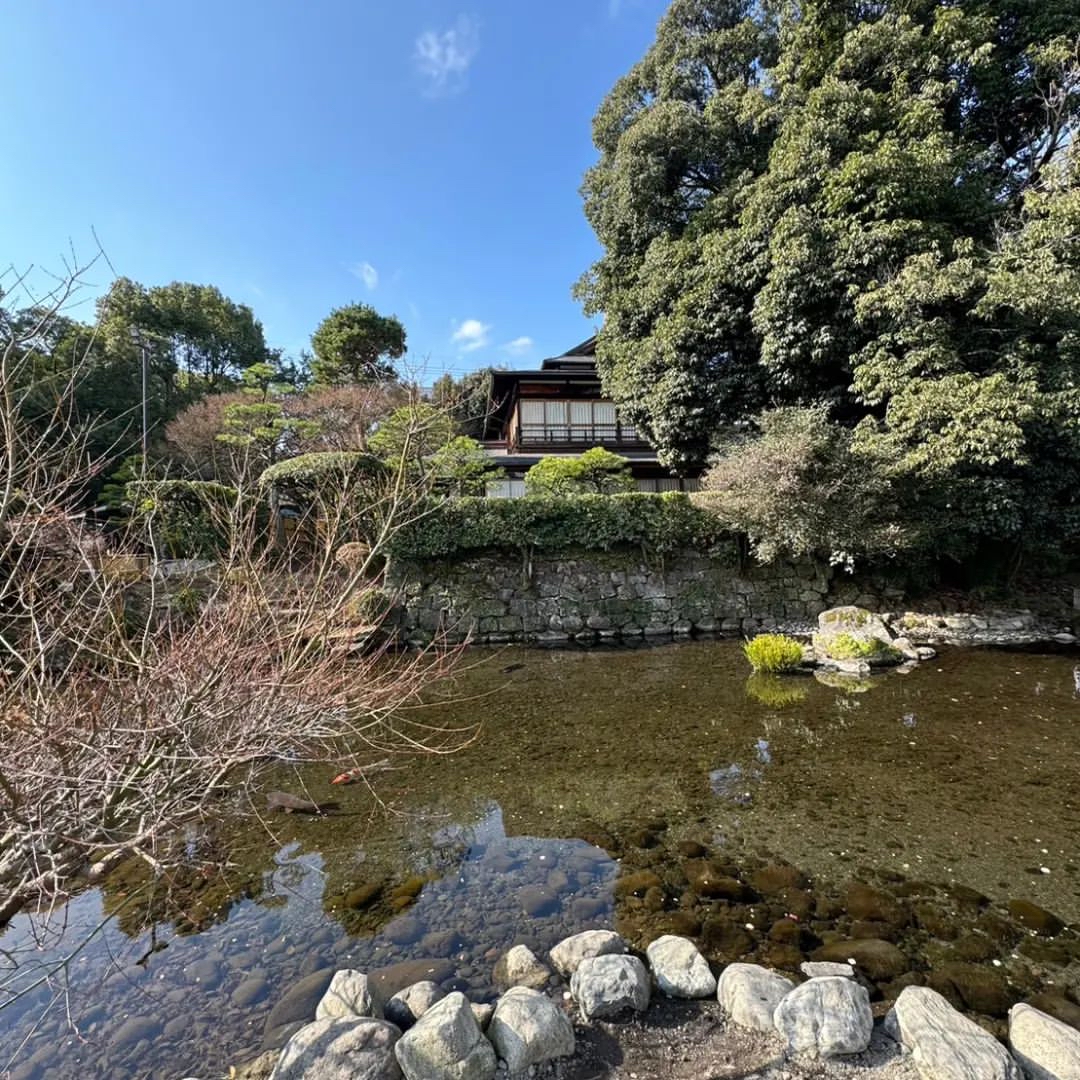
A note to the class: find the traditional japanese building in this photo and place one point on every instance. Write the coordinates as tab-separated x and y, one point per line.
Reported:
561	410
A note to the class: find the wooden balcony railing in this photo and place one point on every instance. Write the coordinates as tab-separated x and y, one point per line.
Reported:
583	435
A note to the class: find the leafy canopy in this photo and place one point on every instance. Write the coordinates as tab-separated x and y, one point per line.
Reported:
355	344
871	208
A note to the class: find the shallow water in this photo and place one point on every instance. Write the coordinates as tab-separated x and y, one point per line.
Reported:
591	765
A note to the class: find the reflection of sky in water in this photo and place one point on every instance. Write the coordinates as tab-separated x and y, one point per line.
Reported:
732	782
909	719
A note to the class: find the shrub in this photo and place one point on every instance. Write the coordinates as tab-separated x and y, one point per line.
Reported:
597	471
799	488
658	524
849	647
184	518
461	467
773	652
313	476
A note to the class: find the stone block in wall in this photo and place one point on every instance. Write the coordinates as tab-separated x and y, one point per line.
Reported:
598	622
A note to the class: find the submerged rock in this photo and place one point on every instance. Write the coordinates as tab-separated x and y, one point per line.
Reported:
1046	1048
826	1017
446	1042
529	1028
749	994
679	969
568	954
520	967
973	986
1030	915
347	995
943	1043
879	960
296	1006
408	1005
607	986
340	1049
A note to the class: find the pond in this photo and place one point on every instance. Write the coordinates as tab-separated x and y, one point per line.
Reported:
649	789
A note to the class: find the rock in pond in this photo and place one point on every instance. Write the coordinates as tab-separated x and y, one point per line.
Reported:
826	1017
878	960
408	1005
679	969
346	996
609	985
297	1006
1046	1048
749	994
520	967
1043	922
568	954
446	1042
529	1028
815	969
340	1049
944	1044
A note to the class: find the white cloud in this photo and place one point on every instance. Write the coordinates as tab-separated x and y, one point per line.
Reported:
518	346
471	335
443	59
366	273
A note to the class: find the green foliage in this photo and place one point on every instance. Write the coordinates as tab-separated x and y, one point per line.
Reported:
462	468
659	524
774	653
798	488
311	477
355	344
597	471
467	400
849	647
412	433
867	207
114	494
185	519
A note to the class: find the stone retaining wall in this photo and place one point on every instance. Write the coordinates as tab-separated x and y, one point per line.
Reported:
502	597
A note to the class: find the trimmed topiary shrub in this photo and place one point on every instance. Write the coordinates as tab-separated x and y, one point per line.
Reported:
312	476
774	653
659	524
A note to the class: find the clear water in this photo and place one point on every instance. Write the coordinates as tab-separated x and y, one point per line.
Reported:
590	766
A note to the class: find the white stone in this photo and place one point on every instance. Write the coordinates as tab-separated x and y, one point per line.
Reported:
815	969
826	1017
679	969
529	1028
945	1045
1046	1048
446	1042
520	967
347	995
749	994
408	1005
609	985
572	950
348	1048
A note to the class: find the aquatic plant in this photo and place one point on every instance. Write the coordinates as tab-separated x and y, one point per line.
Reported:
848	647
773	652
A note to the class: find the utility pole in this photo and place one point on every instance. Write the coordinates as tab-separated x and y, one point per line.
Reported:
145	425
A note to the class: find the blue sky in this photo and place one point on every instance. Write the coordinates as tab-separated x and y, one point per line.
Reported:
421	156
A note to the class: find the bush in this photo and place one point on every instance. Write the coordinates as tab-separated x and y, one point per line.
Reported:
849	647
597	471
774	652
313	476
799	488
659	524
186	519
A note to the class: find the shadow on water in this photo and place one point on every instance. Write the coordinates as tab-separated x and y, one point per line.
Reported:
606	788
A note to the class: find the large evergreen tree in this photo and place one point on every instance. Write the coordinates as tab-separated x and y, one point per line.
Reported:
866	206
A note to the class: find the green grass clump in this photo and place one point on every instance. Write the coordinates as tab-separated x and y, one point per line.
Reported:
849	647
773	652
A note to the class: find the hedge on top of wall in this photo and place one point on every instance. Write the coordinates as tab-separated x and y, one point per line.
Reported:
658	523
